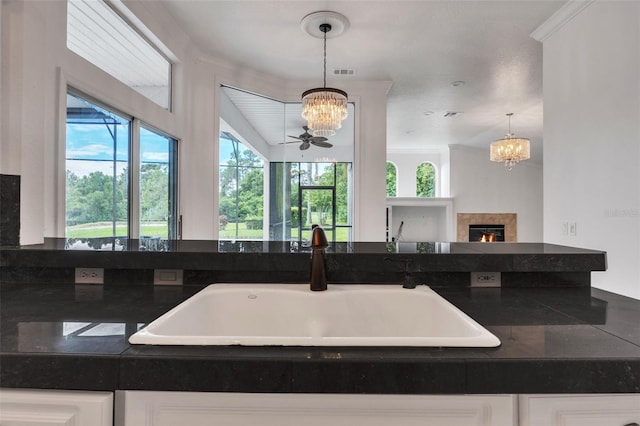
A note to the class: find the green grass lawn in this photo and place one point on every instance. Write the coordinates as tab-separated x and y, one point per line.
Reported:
105	229
229	232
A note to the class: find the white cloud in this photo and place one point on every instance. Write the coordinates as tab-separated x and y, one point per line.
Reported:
155	156
92	150
84	168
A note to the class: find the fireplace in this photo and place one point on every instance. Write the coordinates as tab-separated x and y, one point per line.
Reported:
507	221
486	233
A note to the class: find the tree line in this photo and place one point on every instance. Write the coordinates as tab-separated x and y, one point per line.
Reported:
97	197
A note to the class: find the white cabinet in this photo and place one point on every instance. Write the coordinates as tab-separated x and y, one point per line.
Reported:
238	409
34	407
579	410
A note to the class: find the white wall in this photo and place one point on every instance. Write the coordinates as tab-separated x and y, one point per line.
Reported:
481	186
477	186
592	138
36	66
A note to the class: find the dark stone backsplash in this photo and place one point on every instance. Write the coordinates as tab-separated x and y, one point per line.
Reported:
9	210
205	262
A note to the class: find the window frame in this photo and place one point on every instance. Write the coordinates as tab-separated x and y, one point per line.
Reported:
237	144
133	210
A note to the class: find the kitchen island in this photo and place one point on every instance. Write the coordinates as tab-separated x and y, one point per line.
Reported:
557	333
554	340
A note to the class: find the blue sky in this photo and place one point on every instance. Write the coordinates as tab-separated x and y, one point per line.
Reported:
93	143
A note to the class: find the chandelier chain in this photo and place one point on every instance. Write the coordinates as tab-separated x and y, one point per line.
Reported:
324	108
326	28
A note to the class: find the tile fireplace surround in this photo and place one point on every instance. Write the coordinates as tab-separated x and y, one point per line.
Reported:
509	220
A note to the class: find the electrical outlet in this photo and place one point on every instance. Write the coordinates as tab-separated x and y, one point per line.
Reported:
89	276
167	276
485	279
565	228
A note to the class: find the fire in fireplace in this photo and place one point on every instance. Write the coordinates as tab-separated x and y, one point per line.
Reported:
486	233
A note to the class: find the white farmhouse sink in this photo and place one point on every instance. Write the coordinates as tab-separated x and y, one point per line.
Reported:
292	315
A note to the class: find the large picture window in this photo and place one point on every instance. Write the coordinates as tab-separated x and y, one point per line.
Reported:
99	199
158	172
241	191
274	181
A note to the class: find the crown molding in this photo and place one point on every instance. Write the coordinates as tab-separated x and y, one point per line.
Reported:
556	21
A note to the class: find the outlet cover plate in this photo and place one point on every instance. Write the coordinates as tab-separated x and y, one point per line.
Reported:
89	276
167	276
485	279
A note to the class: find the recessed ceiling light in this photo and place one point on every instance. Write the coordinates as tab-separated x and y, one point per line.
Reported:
457	83
428	113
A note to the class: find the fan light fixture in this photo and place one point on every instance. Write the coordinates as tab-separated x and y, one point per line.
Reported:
324	107
510	150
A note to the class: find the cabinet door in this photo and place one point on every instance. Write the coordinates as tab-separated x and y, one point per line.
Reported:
34	407
236	409
579	410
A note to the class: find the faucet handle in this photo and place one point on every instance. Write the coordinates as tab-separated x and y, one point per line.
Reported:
318	238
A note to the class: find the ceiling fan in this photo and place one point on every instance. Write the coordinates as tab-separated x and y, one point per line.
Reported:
308	139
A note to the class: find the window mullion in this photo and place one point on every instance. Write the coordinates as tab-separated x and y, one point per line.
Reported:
134	180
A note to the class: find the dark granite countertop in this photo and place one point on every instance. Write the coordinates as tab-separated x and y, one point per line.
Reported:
565	340
440	264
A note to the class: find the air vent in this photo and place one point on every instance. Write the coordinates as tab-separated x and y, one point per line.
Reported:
344	71
451	113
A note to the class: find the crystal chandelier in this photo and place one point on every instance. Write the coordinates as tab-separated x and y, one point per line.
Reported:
324	108
510	150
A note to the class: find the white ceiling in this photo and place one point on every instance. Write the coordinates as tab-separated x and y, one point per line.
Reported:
421	46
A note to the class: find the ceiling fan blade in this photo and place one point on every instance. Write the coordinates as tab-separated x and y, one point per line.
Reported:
286	143
318	139
304	145
295	137
322	144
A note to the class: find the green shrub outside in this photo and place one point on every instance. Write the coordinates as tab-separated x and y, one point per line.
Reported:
253	222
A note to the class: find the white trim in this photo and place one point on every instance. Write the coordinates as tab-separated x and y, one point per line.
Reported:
59	168
134	176
358	174
556	21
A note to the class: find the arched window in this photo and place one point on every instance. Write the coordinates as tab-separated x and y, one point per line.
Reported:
392	181
426	180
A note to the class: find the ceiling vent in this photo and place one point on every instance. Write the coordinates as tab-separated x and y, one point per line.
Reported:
344	71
